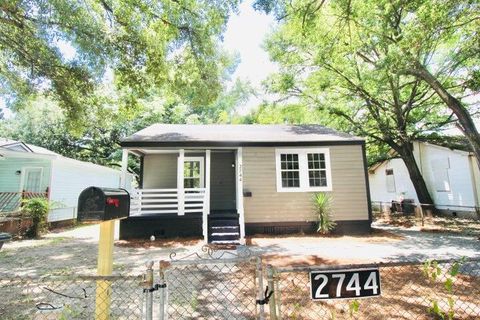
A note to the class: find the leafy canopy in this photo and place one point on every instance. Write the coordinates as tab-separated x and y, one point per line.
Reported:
168	46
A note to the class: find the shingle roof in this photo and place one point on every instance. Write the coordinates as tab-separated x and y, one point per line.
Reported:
235	134
6	143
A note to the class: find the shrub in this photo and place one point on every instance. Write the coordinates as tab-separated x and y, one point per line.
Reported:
37	209
322	202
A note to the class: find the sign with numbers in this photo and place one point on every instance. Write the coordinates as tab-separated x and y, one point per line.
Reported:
345	284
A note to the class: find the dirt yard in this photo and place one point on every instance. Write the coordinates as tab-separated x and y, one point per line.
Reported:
75	250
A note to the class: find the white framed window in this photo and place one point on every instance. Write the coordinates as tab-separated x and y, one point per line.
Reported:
193	172
303	170
390	180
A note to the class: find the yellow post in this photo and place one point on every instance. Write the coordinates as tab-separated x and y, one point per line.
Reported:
104	268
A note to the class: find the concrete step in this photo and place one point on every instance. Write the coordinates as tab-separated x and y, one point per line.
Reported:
225	242
223	223
232	236
224	229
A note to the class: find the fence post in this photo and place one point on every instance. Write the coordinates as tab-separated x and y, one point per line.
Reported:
162	290
148	290
259	275
272	305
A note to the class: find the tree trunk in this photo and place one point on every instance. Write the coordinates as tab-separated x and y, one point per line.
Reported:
406	152
465	121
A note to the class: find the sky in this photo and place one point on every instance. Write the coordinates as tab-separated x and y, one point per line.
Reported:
245	34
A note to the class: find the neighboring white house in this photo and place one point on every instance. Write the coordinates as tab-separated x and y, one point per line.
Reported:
451	175
27	171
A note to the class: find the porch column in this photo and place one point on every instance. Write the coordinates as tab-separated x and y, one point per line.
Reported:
180	186
123	175
239	176
206	205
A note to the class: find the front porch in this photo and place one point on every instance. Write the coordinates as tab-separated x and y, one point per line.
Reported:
187	192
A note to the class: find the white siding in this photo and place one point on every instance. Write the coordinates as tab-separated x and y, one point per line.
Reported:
70	177
459	175
403	185
458	167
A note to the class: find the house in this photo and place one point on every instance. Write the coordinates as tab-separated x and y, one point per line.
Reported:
225	181
28	171
451	175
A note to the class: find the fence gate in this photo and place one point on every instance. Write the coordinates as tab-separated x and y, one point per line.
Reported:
213	284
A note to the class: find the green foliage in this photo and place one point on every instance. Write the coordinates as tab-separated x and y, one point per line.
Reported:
353	307
43	123
37	209
322	204
432	271
170	47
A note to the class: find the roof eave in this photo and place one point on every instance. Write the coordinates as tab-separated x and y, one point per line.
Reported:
129	144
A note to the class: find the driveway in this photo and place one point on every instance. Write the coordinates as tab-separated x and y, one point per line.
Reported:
387	244
75	250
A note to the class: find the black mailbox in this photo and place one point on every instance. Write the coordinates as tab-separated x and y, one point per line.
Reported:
103	204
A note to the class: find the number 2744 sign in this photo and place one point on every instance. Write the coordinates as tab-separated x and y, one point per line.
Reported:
344	284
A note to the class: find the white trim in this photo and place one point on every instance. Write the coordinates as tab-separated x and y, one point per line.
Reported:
23	174
180	186
123	174
206	204
202	168
239	192
303	169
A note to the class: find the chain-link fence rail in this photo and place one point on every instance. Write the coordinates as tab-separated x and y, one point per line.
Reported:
420	212
430	290
71	297
218	285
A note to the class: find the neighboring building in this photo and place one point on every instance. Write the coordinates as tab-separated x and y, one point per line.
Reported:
225	181
28	171
451	175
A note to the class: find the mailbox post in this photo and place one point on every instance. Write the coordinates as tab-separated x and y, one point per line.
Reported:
105	205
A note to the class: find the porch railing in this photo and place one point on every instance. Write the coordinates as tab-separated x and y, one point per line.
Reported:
166	201
12	201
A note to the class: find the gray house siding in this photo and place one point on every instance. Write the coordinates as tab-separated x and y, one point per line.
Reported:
286	210
160	171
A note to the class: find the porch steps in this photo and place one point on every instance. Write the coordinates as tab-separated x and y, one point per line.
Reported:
223	229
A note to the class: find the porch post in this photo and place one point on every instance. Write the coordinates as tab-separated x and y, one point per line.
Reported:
239	176
123	176
180	186
206	205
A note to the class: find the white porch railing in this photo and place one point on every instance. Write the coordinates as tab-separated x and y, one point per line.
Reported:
166	201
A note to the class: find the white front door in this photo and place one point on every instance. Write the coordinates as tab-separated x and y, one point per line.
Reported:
193	172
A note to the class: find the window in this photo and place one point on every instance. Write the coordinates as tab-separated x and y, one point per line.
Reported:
317	170
290	171
193	172
303	170
390	180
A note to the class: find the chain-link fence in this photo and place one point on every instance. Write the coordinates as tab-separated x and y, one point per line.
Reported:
431	290
216	285
71	297
234	285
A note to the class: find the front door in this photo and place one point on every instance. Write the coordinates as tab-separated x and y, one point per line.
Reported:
223	182
32	180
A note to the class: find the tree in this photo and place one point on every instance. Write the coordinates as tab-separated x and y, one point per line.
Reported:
43	123
436	41
343	68
168	45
